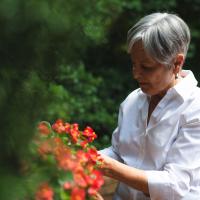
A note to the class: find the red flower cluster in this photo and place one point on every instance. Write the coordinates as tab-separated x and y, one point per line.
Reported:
83	137
45	192
72	152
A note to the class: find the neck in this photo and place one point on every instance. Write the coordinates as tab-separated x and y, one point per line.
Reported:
160	95
155	99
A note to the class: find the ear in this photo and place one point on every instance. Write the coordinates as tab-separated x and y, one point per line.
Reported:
178	63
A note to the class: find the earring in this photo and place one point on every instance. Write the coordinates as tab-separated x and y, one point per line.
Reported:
176	76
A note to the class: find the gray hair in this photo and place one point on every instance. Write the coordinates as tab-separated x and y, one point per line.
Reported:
163	36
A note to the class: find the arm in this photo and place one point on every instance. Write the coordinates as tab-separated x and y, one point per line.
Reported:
182	167
112	151
113	166
133	177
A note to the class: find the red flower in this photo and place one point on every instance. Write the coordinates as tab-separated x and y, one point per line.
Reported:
75	126
89	134
74	155
67	127
45	148
92	191
95	180
79	179
90	167
43	128
77	194
74	135
93	154
64	158
58	142
59	126
98	180
82	156
83	143
45	192
67	185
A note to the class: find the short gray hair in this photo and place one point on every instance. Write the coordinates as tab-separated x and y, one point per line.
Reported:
163	36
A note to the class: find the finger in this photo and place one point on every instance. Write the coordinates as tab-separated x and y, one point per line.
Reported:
98	197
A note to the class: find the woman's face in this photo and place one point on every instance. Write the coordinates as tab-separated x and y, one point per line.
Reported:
154	78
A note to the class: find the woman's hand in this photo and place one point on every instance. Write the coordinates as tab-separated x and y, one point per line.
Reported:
107	165
131	176
98	197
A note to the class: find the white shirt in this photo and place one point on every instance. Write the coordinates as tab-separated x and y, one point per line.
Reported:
168	148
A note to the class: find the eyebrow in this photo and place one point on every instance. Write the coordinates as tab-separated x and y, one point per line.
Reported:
148	65
145	64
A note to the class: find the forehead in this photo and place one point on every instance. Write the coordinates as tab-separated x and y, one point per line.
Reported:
138	54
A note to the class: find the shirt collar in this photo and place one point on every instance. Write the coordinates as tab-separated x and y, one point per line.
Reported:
183	90
186	86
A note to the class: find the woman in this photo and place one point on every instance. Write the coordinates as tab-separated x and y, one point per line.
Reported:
155	152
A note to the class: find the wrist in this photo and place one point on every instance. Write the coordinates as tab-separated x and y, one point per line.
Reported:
110	168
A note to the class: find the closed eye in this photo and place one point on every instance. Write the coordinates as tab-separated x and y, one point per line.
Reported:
147	68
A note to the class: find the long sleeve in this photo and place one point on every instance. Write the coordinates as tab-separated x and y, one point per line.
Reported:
182	165
112	151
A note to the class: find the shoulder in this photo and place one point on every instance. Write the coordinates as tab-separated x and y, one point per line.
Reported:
135	97
192	113
195	98
132	96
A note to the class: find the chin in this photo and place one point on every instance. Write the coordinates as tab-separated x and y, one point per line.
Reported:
146	91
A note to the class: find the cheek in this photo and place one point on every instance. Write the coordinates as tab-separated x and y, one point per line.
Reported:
160	82
155	80
157	83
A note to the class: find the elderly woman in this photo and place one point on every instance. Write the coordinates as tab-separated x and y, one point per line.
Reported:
155	152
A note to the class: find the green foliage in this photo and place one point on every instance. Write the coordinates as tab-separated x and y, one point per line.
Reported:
75	88
20	106
76	97
15	108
